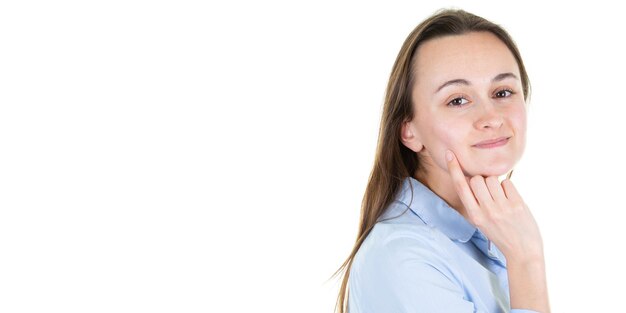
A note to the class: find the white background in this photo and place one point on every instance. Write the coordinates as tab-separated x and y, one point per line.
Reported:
181	156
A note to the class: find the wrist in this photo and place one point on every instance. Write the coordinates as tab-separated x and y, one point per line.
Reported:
535	268
526	255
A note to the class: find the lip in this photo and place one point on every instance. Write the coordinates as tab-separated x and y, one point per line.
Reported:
492	143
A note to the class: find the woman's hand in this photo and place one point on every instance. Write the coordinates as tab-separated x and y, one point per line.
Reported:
499	212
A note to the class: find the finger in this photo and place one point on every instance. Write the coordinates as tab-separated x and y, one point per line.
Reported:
509	175
460	183
510	191
479	187
495	189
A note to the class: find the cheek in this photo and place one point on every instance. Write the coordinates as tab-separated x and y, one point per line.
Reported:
518	120
438	137
449	136
444	137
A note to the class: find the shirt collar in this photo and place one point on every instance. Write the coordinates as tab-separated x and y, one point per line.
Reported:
434	211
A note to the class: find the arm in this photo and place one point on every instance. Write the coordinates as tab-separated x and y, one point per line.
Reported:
527	285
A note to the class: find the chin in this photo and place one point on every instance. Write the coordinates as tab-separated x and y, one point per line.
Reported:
494	166
493	170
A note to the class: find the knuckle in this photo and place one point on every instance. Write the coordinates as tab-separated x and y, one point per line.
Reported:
519	206
492	214
498	217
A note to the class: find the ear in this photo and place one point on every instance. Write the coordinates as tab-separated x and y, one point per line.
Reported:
410	137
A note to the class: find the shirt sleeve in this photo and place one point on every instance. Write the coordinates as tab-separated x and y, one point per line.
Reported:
406	275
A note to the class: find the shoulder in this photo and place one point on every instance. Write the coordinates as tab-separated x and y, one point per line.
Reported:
401	242
400	233
402	266
391	243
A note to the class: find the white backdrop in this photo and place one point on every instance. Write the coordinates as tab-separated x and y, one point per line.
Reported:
186	156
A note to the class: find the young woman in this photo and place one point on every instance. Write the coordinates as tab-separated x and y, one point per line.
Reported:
439	232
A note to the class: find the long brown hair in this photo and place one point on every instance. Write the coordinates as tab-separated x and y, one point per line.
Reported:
394	162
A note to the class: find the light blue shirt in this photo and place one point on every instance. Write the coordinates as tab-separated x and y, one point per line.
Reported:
423	256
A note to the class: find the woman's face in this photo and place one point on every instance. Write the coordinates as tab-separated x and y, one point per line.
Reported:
467	91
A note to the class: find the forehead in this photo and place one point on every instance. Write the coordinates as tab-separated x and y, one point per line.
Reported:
475	56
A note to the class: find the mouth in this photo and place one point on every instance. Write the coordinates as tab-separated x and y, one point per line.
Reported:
492	143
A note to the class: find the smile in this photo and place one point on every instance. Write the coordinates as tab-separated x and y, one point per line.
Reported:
494	143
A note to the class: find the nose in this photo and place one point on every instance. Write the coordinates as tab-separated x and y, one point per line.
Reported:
489	116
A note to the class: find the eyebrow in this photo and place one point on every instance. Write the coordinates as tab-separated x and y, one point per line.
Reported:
460	81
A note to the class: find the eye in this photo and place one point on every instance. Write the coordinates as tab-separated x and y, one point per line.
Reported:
457	102
503	93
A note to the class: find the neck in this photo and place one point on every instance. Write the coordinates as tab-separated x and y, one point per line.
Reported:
440	182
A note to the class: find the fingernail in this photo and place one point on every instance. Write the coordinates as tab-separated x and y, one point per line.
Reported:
449	155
